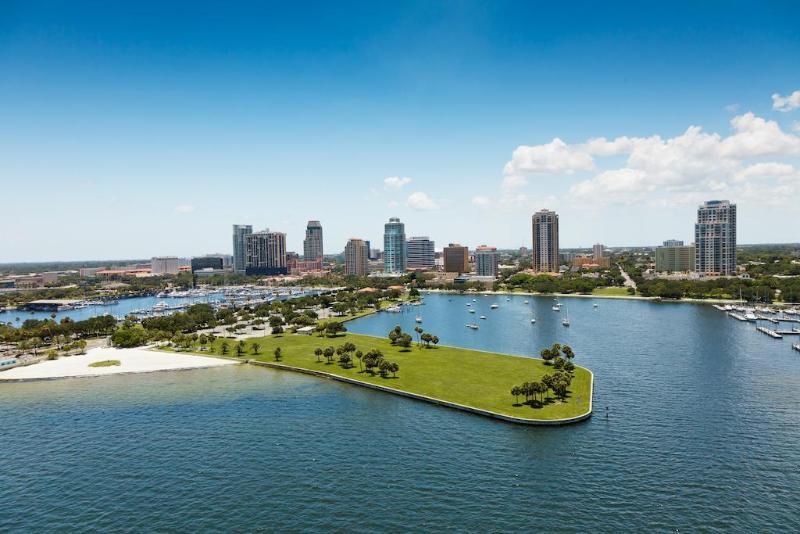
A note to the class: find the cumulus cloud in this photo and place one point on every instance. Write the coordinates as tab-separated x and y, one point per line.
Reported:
396	182
680	169
786	103
421	201
184	208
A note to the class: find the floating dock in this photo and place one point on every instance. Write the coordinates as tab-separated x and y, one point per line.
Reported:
771	333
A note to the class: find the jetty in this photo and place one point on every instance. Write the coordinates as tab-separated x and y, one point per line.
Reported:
771	333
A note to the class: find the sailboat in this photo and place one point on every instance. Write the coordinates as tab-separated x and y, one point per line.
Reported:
565	322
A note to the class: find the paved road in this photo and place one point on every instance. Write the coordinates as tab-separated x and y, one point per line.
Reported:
628	280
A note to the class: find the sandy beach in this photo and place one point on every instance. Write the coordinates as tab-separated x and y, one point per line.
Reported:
137	360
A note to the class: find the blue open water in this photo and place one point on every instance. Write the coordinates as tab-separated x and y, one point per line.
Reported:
703	434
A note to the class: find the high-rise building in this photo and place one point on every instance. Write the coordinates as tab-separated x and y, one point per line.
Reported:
165	265
544	256
715	238
240	233
486	261
523	252
675	258
421	253
356	255
266	253
394	246
673	243
598	251
456	258
312	244
210	261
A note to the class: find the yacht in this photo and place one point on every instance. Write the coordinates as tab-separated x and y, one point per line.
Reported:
595	305
473	326
557	308
483	317
494	306
472	311
533	320
565	322
418	319
526	302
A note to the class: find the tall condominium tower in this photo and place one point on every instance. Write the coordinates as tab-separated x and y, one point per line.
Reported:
598	251
456	258
394	246
356	255
312	245
266	253
486	261
240	233
421	253
544	256
715	238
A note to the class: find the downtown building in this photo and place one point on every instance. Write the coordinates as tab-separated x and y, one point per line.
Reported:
312	244
456	258
421	253
487	261
161	265
356	257
265	253
544	254
715	239
675	257
394	246
240	233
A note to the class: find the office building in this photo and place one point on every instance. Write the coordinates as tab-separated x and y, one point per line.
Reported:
456	258
240	233
715	238
265	253
486	261
207	262
394	246
675	258
312	244
598	251
356	256
421	253
544	256
673	243
164	265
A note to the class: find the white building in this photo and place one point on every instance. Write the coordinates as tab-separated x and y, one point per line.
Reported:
161	265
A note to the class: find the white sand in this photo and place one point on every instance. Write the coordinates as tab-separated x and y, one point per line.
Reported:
137	360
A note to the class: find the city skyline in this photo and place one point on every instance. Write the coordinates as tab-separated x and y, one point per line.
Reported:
153	141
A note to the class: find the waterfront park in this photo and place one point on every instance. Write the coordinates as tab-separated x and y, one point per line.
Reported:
489	383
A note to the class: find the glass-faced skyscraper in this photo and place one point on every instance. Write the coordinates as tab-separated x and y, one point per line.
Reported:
240	233
544	256
394	246
715	238
312	245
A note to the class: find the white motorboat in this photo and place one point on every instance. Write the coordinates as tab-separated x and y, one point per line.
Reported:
533	320
418	319
483	317
473	326
472	311
494	306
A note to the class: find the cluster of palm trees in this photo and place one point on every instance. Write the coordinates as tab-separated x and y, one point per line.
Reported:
559	357
240	348
400	338
347	354
425	338
536	393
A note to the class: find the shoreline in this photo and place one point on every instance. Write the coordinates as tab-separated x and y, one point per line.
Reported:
609	297
441	402
132	361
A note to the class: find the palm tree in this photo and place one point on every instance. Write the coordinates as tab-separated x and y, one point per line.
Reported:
256	347
435	340
359	355
224	347
277	354
318	353
418	330
568	353
515	391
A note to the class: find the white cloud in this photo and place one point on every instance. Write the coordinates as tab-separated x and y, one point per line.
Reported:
422	202
555	157
786	103
480	201
184	208
679	169
396	182
796	126
732	108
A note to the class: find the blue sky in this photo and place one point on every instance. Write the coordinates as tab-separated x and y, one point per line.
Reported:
137	130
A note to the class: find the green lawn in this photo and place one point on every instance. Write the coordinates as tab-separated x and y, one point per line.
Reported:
613	291
473	378
105	363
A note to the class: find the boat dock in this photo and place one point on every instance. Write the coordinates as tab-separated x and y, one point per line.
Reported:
737	316
771	333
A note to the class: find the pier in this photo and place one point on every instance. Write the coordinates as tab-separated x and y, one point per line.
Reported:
771	333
